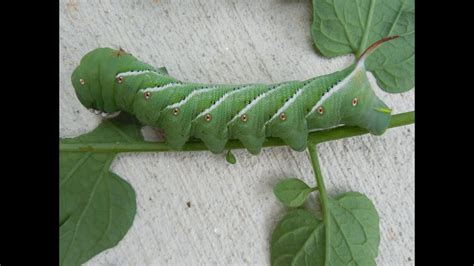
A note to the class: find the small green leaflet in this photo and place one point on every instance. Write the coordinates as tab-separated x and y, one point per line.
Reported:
292	192
97	207
353	237
345	26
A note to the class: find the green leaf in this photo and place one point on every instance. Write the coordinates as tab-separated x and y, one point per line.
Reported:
230	157
345	26
354	230
300	238
97	207
292	192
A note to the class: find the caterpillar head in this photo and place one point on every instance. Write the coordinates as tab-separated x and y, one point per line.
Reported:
95	81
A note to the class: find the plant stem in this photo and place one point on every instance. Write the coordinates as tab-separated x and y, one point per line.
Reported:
351	131
313	137
323	197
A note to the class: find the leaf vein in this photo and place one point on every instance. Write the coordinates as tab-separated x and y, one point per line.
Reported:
78	164
81	216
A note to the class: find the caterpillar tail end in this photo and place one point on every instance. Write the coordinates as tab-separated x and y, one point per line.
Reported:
380	121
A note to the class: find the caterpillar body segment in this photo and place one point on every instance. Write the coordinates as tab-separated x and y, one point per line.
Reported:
110	81
216	124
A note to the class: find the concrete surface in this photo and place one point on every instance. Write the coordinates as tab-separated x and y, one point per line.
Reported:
232	208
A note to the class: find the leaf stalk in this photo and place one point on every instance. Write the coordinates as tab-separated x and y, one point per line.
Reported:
323	197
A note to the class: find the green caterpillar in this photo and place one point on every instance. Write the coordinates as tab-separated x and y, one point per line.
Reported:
108	81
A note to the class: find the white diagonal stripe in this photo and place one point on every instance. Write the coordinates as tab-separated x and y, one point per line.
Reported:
255	101
288	103
135	73
163	87
225	96
192	94
335	89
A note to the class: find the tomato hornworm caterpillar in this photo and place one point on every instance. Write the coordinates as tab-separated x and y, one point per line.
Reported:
108	81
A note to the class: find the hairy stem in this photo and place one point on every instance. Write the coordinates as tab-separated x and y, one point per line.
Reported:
314	137
323	197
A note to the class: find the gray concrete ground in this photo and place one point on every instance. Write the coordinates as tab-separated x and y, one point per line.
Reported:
232	209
